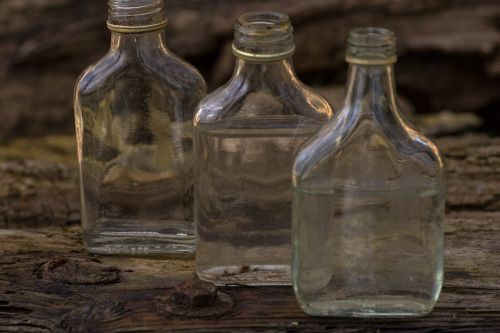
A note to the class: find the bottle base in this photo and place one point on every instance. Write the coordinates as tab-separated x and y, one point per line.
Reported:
370	307
251	275
140	244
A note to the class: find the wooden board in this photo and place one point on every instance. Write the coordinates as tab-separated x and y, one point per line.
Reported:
48	283
38	183
121	294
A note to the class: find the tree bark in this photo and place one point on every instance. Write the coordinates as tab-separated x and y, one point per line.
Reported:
449	50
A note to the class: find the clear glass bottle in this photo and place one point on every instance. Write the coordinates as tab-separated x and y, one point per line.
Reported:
134	110
246	136
369	200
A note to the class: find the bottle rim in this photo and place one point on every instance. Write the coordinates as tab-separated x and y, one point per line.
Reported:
371	46
263	36
136	16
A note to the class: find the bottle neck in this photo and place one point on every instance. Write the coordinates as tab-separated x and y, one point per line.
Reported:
371	88
265	74
137	26
138	43
136	16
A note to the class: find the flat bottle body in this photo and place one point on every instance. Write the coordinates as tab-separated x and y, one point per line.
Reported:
368	253
134	114
244	198
247	135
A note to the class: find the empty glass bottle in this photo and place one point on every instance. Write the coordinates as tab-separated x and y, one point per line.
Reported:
368	200
134	110
246	136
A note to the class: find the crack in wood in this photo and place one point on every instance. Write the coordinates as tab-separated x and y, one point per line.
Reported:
75	270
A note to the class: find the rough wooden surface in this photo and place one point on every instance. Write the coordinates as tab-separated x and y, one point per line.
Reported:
48	283
117	294
450	50
42	190
38	183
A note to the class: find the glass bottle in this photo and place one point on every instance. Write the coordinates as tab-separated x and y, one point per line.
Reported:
133	112
246	136
369	200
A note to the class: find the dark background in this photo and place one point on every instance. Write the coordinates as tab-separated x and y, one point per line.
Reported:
448	75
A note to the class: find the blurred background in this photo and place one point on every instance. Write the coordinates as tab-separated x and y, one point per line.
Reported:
448	74
448	78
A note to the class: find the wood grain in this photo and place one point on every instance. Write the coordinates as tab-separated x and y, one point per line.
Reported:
49	283
39	190
470	301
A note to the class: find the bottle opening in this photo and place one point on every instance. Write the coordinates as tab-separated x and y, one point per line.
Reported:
263	36
371	46
136	16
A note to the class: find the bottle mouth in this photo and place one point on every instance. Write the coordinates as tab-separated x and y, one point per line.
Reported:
371	46
134	16
263	36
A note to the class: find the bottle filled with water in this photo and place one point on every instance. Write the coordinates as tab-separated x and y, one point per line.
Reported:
368	200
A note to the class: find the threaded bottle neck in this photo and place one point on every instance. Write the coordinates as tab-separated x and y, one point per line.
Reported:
263	36
371	46
135	16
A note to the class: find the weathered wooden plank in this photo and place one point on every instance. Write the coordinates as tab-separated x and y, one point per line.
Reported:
48	283
41	189
473	171
30	300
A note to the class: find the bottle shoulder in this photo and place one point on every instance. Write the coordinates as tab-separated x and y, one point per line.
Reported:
96	74
366	154
178	72
240	98
117	70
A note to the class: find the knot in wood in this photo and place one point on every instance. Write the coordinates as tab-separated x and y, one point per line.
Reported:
74	270
194	294
195	298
